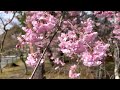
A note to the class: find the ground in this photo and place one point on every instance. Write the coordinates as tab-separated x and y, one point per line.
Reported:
15	72
18	72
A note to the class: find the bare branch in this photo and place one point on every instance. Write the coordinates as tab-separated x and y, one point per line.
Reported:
2	21
4	25
2	43
11	18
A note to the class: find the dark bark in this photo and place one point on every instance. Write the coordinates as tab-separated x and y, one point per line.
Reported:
22	59
39	74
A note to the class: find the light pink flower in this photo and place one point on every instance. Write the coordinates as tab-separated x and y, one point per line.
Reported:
72	72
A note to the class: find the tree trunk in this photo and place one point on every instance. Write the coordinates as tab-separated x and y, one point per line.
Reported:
117	61
22	59
99	73
1	49
39	74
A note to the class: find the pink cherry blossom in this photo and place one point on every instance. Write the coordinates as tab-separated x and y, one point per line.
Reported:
72	72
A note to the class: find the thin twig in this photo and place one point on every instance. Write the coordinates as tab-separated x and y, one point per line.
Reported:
2	21
11	18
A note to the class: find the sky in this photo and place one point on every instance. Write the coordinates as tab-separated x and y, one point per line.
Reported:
5	17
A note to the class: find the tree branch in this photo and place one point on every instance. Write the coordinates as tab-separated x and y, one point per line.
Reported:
2	21
60	21
11	18
4	25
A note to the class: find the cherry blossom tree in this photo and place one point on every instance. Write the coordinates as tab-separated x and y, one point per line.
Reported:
86	38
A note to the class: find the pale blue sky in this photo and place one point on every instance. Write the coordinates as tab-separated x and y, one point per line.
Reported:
5	17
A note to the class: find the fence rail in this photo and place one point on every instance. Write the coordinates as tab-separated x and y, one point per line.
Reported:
8	60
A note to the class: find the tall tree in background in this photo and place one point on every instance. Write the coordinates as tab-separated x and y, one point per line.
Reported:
4	37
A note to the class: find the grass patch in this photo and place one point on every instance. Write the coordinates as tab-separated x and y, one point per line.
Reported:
63	72
17	72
